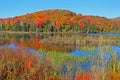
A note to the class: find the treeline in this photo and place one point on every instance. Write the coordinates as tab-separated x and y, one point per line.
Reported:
59	21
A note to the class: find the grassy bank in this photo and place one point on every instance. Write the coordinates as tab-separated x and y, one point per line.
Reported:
77	40
24	32
16	65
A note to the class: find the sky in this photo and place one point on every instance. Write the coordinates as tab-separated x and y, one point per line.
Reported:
103	8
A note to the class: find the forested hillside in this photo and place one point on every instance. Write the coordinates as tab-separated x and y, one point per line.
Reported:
59	21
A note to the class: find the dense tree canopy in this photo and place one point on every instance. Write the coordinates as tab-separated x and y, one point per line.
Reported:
59	21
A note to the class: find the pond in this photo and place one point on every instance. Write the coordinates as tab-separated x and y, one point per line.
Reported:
86	45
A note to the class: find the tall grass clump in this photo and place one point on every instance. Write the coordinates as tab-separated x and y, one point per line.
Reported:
16	65
69	65
114	68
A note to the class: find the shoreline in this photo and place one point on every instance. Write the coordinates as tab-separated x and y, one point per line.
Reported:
66	33
22	32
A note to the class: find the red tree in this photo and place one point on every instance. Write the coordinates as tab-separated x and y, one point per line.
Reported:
82	26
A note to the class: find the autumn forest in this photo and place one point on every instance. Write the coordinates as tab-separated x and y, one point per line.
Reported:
59	21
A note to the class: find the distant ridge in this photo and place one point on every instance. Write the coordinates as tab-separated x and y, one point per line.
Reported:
116	19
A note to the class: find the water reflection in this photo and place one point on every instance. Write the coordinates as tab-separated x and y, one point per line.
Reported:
107	54
74	44
33	41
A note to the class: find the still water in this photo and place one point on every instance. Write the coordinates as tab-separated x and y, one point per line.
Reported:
58	42
73	44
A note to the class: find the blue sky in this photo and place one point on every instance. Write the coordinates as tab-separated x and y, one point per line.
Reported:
106	8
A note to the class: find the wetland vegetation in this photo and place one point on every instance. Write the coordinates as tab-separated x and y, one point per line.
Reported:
59	57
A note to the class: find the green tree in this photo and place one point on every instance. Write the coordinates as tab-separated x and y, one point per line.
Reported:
17	26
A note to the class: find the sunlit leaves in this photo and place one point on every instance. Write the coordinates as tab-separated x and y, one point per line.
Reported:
62	20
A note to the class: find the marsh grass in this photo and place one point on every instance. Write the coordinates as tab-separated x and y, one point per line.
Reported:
52	65
15	65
